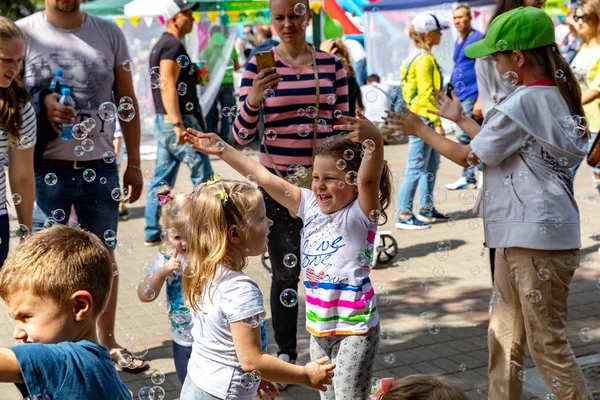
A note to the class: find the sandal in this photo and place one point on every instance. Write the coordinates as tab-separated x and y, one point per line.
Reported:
118	354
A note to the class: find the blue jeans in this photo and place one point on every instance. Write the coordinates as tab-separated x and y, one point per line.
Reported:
95	208
224	99
168	158
360	67
181	356
463	138
422	160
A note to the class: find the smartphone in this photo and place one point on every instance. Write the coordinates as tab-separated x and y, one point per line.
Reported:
449	89
264	59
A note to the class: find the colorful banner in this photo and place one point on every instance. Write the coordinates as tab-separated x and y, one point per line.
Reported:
134	21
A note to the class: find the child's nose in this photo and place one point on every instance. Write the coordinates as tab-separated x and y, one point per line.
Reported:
19	334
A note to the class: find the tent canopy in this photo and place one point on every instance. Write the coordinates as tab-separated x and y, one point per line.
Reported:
388	5
156	7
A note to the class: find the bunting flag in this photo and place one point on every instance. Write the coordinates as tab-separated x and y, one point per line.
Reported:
134	21
213	15
196	16
161	19
148	21
120	21
251	14
233	16
316	7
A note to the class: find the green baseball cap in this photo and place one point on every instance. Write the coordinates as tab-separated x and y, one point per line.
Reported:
523	28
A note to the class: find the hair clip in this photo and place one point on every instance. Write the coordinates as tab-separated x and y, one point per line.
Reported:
164	199
385	385
222	195
190	196
216	178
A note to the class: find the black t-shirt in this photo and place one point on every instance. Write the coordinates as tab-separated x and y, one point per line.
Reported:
169	47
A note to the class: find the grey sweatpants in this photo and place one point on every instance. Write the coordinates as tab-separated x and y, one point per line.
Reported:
354	356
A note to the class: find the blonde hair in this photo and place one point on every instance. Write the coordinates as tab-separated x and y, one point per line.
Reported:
424	387
16	95
591	8
419	39
337	47
57	262
214	208
175	212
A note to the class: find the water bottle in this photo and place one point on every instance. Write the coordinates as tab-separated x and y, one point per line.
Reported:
57	82
66	100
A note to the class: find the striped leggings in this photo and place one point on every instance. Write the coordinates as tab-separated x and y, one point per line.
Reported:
354	356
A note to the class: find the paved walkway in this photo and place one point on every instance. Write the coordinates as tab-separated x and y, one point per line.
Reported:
456	301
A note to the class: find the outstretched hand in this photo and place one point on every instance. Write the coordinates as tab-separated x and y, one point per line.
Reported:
360	128
449	108
406	122
207	143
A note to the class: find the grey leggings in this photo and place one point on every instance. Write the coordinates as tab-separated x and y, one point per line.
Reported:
354	356
190	391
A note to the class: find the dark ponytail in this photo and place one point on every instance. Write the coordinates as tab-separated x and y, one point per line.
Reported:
550	63
385	191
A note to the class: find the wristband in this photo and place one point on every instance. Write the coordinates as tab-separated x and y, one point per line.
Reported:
134	167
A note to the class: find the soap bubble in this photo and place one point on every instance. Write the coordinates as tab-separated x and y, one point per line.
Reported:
270	134
183	61
585	335
534	296
189	106
300	9
526	146
331	99
50	179
242	133
157	377
79	132
78	151
290	260
510	79
340	164
459	87
59	215
181	88
288	298
107	111
146	393
501	45
89	175
303	130
368	145
337	114
311	112
559	73
371	96
226	112
351	178
127	65
268	93
402	264
126	112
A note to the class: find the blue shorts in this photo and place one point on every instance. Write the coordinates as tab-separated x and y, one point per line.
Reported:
96	210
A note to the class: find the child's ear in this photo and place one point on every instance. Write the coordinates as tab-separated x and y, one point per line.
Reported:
233	234
519	58
82	304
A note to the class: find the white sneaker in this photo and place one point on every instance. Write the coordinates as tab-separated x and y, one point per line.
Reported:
460	184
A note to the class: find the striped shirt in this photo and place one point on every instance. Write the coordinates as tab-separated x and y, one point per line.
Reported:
335	251
27	138
281	111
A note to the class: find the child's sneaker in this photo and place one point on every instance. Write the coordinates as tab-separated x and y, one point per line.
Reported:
410	223
285	358
431	216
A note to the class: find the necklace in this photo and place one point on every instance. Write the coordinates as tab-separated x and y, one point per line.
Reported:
82	18
296	68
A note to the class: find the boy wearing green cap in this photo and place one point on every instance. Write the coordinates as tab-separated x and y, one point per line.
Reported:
527	144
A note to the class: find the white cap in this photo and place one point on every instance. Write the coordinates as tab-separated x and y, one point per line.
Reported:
174	7
427	23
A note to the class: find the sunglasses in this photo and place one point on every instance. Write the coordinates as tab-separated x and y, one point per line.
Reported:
582	18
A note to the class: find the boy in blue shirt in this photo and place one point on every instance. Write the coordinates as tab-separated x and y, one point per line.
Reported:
55	286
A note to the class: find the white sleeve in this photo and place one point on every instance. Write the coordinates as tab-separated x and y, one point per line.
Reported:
307	202
158	263
241	299
499	138
28	131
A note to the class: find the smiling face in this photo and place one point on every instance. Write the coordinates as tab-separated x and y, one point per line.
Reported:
12	53
286	22
40	319
330	194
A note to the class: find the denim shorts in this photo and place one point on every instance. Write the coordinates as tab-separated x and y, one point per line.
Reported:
96	210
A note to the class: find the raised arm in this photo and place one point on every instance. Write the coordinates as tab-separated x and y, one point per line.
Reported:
282	191
10	370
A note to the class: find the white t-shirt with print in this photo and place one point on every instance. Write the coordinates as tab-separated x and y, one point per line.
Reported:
27	135
214	366
336	251
179	315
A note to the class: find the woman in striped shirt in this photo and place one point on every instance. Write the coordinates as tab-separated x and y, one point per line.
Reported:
17	133
287	97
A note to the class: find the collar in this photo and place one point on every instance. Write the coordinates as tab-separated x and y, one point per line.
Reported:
542	82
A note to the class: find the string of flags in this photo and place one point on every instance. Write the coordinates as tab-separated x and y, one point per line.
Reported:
227	17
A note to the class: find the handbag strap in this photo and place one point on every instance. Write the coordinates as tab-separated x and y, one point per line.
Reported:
315	123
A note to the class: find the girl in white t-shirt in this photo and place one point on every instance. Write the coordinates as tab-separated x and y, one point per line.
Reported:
351	187
227	224
527	144
167	267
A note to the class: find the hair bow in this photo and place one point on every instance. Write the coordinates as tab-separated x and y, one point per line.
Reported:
164	199
216	178
385	385
190	196
222	195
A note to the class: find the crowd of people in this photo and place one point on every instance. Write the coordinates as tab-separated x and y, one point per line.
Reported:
313	200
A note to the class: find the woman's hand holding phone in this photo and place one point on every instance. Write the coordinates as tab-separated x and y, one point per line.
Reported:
268	78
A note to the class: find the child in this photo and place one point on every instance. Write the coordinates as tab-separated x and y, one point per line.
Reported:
527	144
420	76
175	209
418	387
228	224
55	286
340	217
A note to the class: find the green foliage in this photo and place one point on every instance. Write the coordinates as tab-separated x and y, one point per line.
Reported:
18	9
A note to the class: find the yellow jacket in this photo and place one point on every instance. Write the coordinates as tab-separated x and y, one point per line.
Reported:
422	79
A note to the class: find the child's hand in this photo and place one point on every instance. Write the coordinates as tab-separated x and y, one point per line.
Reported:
174	264
207	143
269	389
449	108
319	374
360	128
407	122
